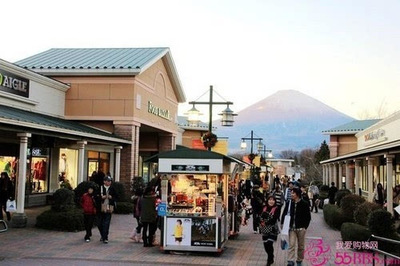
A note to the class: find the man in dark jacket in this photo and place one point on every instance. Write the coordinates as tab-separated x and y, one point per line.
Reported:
300	218
332	193
107	196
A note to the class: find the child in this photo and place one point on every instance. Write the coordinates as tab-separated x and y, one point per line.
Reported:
178	232
89	212
247	211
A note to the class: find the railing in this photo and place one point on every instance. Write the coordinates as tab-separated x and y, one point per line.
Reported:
384	253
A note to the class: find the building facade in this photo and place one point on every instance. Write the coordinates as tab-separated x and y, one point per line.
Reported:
132	93
374	159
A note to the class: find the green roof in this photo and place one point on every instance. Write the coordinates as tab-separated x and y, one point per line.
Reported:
21	118
103	62
93	58
352	127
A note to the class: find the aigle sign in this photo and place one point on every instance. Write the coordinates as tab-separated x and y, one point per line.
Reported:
13	84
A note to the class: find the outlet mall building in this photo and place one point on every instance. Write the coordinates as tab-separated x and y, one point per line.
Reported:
75	111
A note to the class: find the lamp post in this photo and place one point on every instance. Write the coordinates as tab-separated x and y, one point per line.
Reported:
264	150
227	118
243	145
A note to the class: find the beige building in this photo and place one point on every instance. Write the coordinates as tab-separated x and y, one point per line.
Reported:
363	154
132	93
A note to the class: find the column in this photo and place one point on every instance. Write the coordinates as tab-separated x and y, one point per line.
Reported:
81	160
349	180
370	179
330	171
19	218
340	176
324	174
117	163
357	175
335	175
389	182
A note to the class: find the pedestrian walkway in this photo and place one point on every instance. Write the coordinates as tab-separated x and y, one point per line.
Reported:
33	246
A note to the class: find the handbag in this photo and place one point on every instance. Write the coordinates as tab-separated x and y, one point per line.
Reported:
11	206
106	207
286	223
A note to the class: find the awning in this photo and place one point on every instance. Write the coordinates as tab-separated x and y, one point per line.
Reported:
387	148
21	120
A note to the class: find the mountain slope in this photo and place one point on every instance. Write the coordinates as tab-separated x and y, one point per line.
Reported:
285	120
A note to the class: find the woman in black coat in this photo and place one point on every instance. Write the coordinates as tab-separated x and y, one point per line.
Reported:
148	216
269	217
7	192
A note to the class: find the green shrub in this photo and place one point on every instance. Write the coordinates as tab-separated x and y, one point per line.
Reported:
324	188
137	184
363	210
334	217
82	189
70	221
120	190
124	208
354	232
340	194
349	204
380	223
63	200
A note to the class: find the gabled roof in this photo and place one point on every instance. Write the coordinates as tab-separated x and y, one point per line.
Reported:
102	61
20	118
352	127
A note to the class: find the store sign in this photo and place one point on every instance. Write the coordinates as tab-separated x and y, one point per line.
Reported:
155	110
375	136
162	209
14	84
191	168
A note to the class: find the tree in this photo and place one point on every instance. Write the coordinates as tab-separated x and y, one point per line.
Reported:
323	153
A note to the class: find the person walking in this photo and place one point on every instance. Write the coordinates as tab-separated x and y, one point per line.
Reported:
300	218
279	198
7	192
379	197
89	212
257	201
269	217
332	193
314	192
148	216
108	197
136	234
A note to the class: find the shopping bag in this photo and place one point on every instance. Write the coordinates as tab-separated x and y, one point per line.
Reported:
11	206
284	242
286	224
107	208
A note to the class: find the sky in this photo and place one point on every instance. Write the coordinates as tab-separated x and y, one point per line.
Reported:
344	53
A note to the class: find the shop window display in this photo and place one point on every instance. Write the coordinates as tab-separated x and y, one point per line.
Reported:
68	168
98	161
9	164
39	172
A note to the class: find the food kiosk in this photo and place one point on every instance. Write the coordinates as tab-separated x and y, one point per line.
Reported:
194	200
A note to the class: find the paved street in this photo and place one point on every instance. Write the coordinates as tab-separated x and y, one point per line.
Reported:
32	246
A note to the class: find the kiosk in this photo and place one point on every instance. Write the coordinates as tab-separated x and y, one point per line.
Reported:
194	199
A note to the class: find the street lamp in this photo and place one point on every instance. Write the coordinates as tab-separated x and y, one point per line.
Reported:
243	145
209	138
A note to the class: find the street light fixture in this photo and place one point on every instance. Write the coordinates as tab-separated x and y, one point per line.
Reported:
227	118
243	145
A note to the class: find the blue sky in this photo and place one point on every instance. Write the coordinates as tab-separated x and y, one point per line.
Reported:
341	52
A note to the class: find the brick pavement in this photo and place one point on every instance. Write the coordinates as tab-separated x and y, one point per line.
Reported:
33	246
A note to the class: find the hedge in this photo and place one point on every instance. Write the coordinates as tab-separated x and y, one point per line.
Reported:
363	210
349	204
70	221
334	216
354	232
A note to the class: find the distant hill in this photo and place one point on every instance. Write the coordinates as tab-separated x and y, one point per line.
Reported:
285	120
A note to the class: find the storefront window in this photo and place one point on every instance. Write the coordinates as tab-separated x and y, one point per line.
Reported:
39	169
68	168
98	161
9	164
